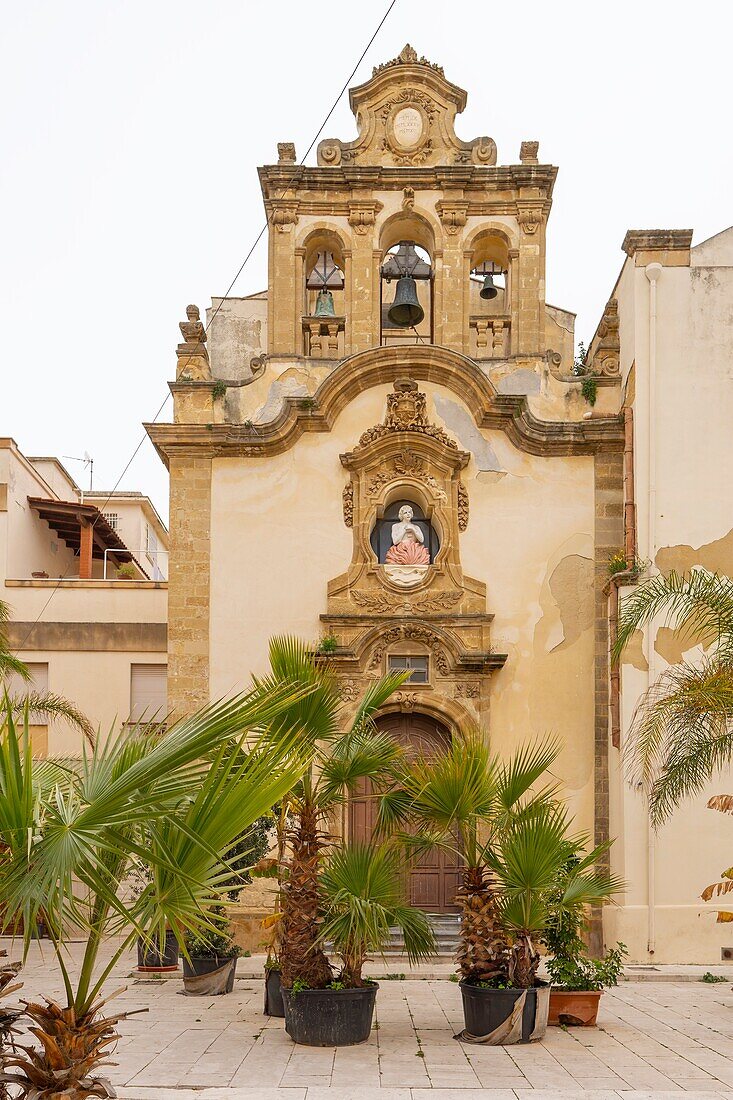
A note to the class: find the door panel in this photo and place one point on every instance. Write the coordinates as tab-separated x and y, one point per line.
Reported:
434	877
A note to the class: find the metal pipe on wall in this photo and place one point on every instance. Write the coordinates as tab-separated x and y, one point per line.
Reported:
652	272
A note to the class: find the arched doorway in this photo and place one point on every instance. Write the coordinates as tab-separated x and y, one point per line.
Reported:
433	880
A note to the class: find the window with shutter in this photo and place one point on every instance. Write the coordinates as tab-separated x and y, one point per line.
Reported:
148	693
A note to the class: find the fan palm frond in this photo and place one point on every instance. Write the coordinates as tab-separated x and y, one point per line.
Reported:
363	895
46	706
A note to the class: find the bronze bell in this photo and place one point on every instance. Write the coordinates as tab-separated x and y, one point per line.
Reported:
324	304
488	290
406	311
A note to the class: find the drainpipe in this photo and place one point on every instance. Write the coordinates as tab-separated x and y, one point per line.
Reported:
652	272
628	575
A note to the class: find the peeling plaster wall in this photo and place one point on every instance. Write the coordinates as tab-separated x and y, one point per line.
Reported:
278	536
694	527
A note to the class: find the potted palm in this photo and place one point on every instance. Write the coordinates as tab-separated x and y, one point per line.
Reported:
210	957
201	786
346	749
527	862
494	819
362	892
577	980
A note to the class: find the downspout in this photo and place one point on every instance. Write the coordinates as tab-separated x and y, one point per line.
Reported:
652	272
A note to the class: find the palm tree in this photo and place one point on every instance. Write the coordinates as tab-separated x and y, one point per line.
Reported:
67	844
531	857
682	728
362	889
345	752
43	705
464	801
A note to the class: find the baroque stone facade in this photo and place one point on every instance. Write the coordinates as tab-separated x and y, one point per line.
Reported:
310	430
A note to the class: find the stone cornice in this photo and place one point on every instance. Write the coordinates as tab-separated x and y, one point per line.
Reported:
282	181
378	366
645	240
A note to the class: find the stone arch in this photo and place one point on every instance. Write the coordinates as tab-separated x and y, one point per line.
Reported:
410	225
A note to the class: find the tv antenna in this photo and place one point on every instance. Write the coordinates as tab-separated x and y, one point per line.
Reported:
87	460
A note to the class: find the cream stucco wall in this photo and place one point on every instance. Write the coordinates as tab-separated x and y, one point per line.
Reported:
687	424
278	536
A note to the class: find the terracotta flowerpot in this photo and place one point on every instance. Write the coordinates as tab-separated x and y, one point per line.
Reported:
574	1008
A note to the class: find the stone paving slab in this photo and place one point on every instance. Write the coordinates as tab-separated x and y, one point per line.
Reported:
655	1041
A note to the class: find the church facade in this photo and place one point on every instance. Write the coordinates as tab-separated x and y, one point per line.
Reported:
389	453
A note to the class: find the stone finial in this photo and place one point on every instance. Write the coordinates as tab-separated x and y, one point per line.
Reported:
285	152
528	152
407	56
193	358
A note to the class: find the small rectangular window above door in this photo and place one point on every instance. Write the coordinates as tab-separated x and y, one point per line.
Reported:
148	693
418	667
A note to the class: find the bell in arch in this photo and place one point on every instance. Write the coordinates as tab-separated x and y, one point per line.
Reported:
324	304
488	290
406	311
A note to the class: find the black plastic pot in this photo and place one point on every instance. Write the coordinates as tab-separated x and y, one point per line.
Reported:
330	1017
273	994
149	957
209	977
484	1010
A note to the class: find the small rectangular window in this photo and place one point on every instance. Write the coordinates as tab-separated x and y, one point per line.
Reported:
148	693
112	518
417	665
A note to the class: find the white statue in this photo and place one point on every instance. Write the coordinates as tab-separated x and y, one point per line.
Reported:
407	541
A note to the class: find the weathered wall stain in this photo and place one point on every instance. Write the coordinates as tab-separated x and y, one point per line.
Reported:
716	556
291	383
458	421
634	652
672	645
519	382
571	585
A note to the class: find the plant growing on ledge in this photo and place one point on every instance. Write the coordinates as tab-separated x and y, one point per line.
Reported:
328	644
589	385
589	389
307	404
219	390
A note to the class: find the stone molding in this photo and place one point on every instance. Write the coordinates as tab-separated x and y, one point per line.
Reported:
375	367
89	637
666	240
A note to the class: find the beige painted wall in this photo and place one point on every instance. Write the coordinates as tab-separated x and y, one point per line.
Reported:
692	413
278	536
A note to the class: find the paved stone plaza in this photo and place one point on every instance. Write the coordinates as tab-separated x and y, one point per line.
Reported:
655	1039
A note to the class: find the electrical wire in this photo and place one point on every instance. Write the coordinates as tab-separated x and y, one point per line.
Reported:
226	294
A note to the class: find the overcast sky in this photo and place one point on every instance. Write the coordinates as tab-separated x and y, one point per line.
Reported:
131	133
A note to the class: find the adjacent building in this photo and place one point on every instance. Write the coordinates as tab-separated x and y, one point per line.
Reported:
87	594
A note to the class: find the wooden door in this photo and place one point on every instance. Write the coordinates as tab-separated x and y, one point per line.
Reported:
433	880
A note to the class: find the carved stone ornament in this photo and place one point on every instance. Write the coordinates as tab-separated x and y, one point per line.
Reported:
285	152
528	152
284	215
468	689
415	633
348	504
463	506
453	215
193	358
362	216
406	411
348	690
605	347
406	700
406	117
408	198
407	56
530	218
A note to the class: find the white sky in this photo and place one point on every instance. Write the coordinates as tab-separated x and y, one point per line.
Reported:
131	133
